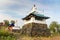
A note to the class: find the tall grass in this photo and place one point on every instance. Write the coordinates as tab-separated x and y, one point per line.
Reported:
6	35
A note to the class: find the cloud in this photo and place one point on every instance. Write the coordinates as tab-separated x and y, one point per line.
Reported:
4	16
17	9
7	17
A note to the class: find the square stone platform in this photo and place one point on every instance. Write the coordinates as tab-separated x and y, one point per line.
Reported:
35	29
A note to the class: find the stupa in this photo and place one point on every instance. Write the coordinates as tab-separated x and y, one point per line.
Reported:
35	24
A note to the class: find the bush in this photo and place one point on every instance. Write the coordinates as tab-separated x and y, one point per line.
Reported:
6	35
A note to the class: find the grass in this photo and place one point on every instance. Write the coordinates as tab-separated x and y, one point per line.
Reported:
39	38
6	35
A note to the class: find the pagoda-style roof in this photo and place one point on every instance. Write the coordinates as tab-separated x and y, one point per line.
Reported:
36	15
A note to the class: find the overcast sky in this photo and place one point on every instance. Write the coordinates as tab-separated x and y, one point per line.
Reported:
17	9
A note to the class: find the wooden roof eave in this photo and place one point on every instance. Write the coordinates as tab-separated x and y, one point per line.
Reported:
29	16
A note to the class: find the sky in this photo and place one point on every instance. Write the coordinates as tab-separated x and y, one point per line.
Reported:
18	9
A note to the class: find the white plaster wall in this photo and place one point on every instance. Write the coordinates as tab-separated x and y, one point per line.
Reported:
35	21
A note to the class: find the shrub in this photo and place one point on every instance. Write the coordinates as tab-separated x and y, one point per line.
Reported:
6	35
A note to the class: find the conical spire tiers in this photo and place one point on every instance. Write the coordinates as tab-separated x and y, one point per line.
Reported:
33	9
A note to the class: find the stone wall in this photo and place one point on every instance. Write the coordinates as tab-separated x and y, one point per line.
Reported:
35	29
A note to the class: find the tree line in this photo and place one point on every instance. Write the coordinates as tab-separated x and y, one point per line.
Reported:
54	27
6	22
